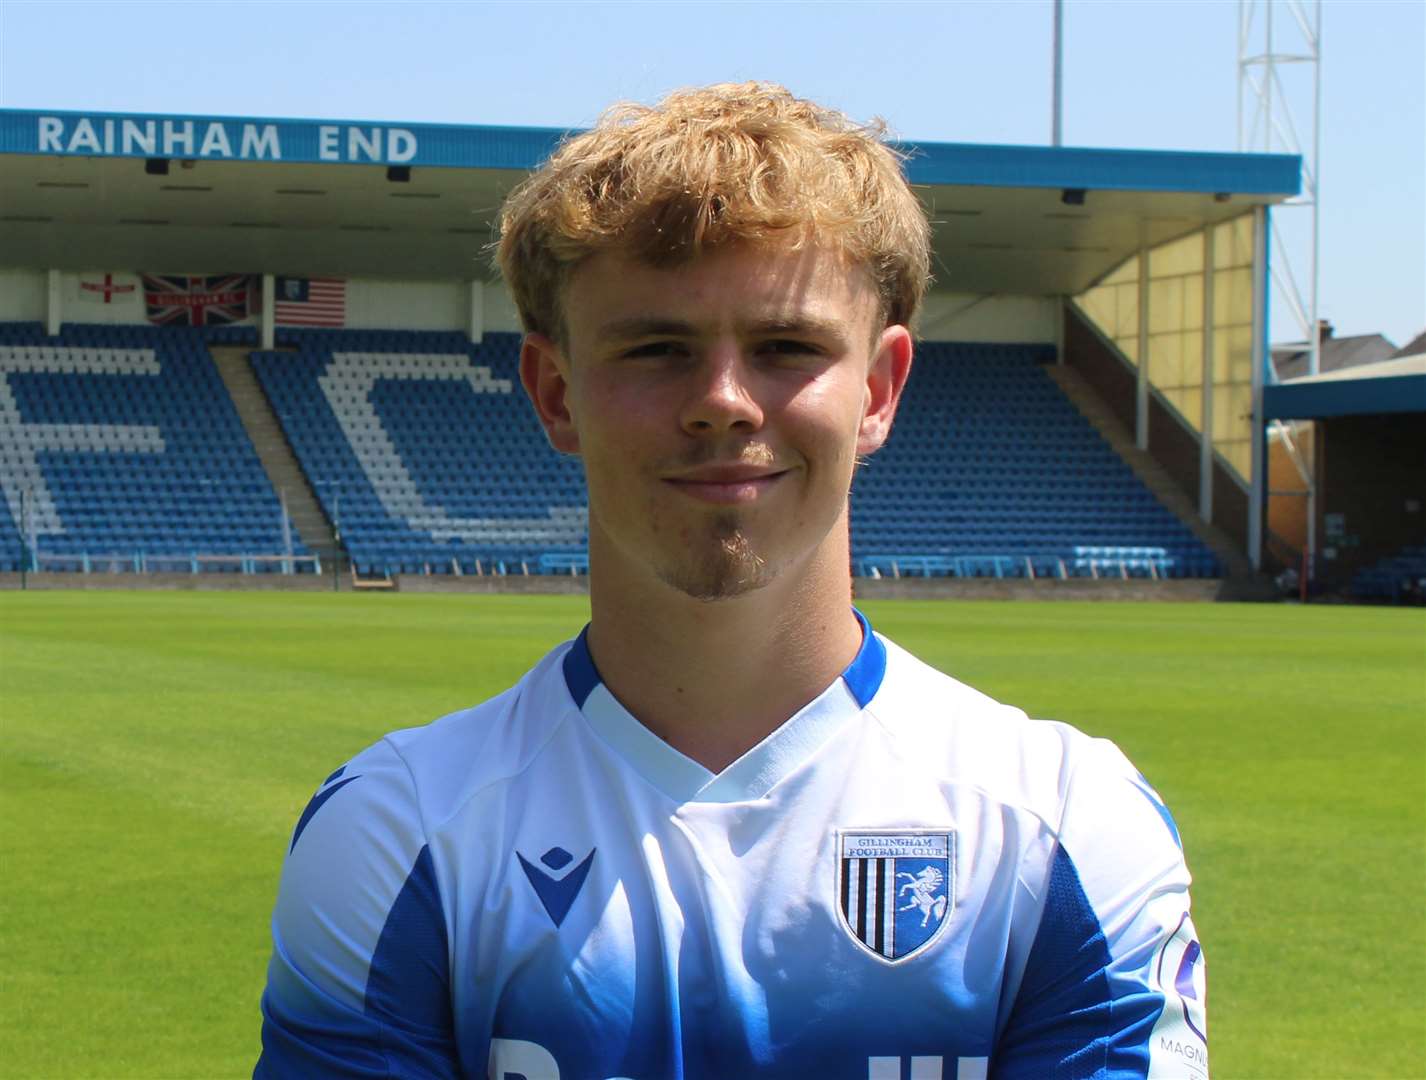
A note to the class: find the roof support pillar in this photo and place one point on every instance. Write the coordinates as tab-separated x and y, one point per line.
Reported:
1141	387
1205	433
1057	106
1060	315
1310	562
268	333
1257	426
475	312
54	313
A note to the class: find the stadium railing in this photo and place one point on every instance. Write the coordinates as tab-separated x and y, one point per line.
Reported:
960	566
1087	562
140	562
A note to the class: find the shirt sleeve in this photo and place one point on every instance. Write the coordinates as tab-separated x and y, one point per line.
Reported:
359	980
1114	983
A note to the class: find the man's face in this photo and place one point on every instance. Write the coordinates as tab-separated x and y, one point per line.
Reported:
719	407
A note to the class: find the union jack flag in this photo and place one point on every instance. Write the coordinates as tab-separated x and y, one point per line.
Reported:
181	300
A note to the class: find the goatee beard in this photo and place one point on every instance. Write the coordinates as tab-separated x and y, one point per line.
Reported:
731	569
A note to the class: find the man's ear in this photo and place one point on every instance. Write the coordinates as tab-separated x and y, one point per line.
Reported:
890	367
544	372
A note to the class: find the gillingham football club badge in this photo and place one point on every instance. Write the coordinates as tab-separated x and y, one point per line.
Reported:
895	888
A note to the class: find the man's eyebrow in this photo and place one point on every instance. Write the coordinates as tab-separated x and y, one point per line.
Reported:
641	326
800	324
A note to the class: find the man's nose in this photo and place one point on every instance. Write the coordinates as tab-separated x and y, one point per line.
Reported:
721	397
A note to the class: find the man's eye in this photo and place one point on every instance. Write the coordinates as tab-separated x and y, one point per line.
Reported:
789	347
655	349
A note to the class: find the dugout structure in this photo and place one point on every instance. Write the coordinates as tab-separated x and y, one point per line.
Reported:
1141	274
1368	465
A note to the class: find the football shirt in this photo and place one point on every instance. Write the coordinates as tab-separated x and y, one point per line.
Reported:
904	880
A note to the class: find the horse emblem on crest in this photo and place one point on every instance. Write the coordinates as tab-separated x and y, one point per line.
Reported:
923	888
896	889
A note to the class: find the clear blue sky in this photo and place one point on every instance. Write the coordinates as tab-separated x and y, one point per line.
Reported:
1145	74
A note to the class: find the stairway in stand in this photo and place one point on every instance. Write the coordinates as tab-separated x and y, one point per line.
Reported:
274	451
1153	475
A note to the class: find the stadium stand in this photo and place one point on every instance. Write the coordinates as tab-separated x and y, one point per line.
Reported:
1398	577
414	443
121	450
422	450
990	471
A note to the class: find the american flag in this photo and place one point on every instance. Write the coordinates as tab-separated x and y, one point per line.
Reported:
181	300
311	301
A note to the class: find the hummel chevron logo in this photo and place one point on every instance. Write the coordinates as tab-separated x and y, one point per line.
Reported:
557	893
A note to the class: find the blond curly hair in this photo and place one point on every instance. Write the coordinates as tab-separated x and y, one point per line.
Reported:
731	163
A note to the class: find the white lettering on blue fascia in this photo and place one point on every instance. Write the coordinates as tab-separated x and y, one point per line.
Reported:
216	139
157	138
389	146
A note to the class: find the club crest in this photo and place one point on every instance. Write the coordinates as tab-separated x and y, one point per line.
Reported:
895	889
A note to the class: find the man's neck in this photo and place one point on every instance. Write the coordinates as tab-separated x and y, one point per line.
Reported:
714	678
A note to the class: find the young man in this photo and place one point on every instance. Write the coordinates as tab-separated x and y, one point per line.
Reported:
729	831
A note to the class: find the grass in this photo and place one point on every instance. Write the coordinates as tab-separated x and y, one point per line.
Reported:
156	748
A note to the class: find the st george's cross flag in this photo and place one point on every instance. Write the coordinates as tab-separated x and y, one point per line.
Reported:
97	291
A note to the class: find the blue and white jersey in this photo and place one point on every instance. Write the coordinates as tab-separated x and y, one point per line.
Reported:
905	880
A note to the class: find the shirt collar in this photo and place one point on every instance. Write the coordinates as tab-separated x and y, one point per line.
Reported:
757	771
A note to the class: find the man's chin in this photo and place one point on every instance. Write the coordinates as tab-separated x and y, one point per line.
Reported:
711	591
730	568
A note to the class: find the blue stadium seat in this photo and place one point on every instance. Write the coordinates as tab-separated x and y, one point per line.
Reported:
422	447
1399	576
988	460
136	449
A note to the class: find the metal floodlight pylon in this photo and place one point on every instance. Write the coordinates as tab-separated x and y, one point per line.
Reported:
1266	124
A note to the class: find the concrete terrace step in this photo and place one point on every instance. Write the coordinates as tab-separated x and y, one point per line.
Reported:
1153	475
273	449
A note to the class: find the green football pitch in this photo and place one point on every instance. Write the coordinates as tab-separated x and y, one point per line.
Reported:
155	750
